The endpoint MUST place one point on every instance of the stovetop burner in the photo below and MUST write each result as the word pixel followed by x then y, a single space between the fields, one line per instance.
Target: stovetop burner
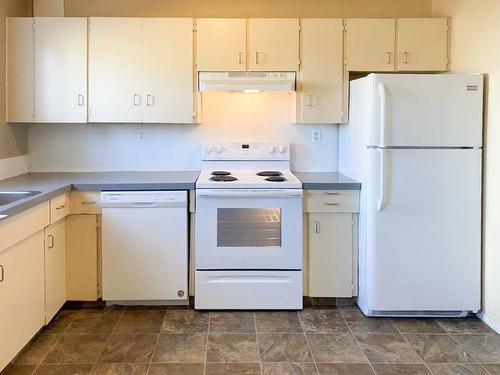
pixel 269 174
pixel 223 178
pixel 276 179
pixel 221 173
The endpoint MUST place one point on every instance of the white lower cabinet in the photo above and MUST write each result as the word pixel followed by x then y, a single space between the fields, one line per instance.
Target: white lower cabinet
pixel 55 268
pixel 82 281
pixel 22 294
pixel 332 243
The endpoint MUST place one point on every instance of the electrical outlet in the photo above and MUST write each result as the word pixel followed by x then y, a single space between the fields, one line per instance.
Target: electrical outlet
pixel 141 134
pixel 316 136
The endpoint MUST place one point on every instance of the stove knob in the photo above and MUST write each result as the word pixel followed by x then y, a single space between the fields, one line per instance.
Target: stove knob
pixel 272 149
pixel 219 149
pixel 282 149
pixel 209 149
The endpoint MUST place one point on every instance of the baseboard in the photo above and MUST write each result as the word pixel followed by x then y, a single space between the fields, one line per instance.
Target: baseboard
pixel 12 167
pixel 493 325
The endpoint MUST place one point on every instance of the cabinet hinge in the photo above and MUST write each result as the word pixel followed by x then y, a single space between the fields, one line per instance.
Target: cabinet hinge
pixel 300 27
pixel 344 28
pixel 352 221
pixel 345 62
pixel 194 28
pixel 298 62
pixel 194 115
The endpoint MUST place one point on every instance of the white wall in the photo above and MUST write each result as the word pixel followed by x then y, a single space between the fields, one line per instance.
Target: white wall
pixel 227 117
pixel 474 48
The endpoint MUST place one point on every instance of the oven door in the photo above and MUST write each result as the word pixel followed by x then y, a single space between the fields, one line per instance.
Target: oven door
pixel 240 229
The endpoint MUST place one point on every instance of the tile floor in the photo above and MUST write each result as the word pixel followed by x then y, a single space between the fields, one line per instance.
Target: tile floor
pixel 118 340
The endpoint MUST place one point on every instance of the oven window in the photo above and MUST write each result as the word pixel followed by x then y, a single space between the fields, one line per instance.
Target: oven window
pixel 248 227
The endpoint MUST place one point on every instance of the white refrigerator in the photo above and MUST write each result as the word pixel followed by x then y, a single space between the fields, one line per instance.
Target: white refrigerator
pixel 414 141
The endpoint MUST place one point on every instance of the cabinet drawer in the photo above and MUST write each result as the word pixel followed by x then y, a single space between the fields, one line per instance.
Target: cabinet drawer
pixel 59 207
pixel 331 201
pixel 85 202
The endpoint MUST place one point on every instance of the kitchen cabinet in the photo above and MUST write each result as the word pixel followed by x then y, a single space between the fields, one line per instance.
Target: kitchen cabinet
pixel 422 44
pixel 319 98
pixel 20 78
pixel 167 70
pixel 221 44
pixel 332 242
pixel 115 78
pixel 22 311
pixel 273 44
pixel 370 44
pixel 82 281
pixel 61 69
pixel 141 70
pixel 55 268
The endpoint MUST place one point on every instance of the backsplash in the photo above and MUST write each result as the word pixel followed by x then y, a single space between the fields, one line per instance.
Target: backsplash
pixel 227 117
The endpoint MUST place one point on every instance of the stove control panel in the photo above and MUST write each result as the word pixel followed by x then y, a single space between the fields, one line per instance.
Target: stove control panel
pixel 245 151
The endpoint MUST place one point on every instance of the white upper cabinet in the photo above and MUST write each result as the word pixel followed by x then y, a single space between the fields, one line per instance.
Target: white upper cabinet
pixel 20 48
pixel 115 70
pixel 167 60
pixel 221 44
pixel 370 44
pixel 273 44
pixel 422 44
pixel 320 79
pixel 60 69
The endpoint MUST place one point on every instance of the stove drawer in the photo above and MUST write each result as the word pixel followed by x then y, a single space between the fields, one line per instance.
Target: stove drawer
pixel 248 290
pixel 331 201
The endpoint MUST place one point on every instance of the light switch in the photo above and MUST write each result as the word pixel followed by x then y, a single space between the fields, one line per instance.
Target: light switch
pixel 316 136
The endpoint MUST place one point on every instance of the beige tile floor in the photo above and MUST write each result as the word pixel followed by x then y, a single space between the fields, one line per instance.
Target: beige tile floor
pixel 327 341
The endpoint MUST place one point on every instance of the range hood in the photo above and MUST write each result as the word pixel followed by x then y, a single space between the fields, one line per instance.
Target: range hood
pixel 246 81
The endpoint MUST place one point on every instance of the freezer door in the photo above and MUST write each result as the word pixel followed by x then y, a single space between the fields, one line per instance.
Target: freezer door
pixel 426 110
pixel 423 230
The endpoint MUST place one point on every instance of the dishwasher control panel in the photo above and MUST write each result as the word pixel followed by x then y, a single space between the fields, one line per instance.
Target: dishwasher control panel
pixel 143 198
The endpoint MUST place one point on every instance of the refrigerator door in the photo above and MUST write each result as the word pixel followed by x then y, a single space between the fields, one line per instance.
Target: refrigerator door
pixel 423 224
pixel 431 110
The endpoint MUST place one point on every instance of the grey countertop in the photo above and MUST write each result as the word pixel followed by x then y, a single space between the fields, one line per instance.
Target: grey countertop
pixel 326 181
pixel 51 185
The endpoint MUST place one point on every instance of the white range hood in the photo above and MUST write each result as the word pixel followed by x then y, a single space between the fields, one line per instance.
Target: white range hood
pixel 246 81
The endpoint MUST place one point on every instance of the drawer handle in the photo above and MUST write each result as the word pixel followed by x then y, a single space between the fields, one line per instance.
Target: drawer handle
pixel 61 207
pixel 332 204
pixel 88 202
pixel 332 193
pixel 2 274
pixel 51 241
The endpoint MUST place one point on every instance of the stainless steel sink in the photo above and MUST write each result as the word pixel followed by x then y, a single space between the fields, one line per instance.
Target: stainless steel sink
pixel 8 197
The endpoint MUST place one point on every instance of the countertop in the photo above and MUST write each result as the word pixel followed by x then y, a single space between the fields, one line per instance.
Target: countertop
pixel 51 185
pixel 326 181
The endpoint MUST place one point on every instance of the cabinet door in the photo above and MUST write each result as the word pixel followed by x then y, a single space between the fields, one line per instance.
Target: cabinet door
pixel 22 311
pixel 60 69
pixel 20 78
pixel 81 258
pixel 330 255
pixel 115 74
pixel 321 72
pixel 221 44
pixel 370 45
pixel 167 55
pixel 273 44
pixel 422 44
pixel 55 269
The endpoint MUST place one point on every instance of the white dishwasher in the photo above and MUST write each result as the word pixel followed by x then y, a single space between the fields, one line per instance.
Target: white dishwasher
pixel 144 246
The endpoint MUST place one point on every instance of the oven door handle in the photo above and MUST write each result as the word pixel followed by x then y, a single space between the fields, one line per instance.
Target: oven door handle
pixel 244 193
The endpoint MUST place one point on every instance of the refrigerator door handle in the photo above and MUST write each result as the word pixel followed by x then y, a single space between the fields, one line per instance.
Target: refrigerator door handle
pixel 382 179
pixel 383 112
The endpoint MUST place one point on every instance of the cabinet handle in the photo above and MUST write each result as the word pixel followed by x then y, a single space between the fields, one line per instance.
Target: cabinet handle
pixel 51 241
pixel 81 100
pixel 331 193
pixel 309 100
pixel 316 226
pixel 240 57
pixel 389 55
pixel 149 100
pixel 2 274
pixel 61 207
pixel 406 57
pixel 137 99
pixel 332 204
pixel 88 202
pixel 257 58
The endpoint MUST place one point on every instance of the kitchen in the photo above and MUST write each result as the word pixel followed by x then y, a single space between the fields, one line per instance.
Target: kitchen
pixel 184 188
